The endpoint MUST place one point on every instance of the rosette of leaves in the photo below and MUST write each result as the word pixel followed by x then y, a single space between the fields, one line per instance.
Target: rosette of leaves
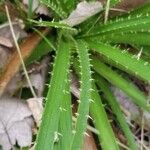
pixel 93 49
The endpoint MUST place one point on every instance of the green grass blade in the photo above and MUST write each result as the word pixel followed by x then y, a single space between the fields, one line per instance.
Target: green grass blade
pixel 68 5
pixel 100 118
pixel 114 2
pixel 101 122
pixel 30 6
pixel 123 61
pixel 50 119
pixel 52 24
pixel 45 39
pixel 122 25
pixel 44 47
pixel 55 5
pixel 57 146
pixel 104 86
pixel 139 38
pixel 137 96
pixel 85 96
pixel 65 127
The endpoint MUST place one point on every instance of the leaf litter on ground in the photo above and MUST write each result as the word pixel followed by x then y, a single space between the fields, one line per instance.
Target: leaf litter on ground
pixel 17 116
pixel 16 123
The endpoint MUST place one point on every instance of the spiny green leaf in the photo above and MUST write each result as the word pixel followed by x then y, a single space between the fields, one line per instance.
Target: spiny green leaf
pixel 145 49
pixel 85 96
pixel 101 122
pixel 123 61
pixel 137 96
pixel 49 126
pixel 140 23
pixel 56 6
pixel 65 122
pixel 104 86
pixel 139 38
pixel 60 25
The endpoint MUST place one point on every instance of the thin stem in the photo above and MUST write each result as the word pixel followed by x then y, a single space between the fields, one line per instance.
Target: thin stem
pixel 119 10
pixel 19 52
pixel 142 132
pixel 107 11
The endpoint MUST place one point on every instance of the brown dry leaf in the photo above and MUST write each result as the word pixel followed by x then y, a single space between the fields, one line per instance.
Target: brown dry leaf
pixel 5 42
pixel 83 11
pixel 36 107
pixel 14 85
pixel 37 74
pixel 37 78
pixel 14 63
pixel 6 38
pixel 4 55
pixel 15 123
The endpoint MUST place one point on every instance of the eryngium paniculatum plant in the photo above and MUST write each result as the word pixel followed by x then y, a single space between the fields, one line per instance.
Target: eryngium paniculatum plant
pixel 91 47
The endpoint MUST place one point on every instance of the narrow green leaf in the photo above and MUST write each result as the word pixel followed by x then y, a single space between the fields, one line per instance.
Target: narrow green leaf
pixel 44 47
pixel 85 96
pixel 55 5
pixel 30 6
pixel 123 61
pixel 114 2
pixel 68 5
pixel 122 25
pixel 46 39
pixel 101 122
pixel 139 38
pixel 137 96
pixel 65 127
pixel 103 84
pixel 100 118
pixel 49 126
pixel 60 25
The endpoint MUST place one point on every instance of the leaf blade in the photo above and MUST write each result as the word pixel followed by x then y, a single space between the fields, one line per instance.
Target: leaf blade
pixel 50 119
pixel 123 61
pixel 138 97
pixel 104 86
pixel 85 95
